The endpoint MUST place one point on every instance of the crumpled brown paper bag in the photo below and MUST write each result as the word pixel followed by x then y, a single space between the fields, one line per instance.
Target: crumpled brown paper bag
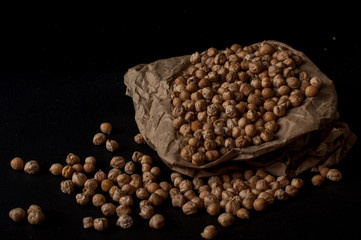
pixel 309 135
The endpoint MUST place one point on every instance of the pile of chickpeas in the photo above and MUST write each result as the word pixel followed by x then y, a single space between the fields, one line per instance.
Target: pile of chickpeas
pixel 232 98
pixel 131 187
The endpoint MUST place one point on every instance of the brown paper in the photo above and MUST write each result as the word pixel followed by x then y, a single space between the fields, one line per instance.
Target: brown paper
pixel 309 135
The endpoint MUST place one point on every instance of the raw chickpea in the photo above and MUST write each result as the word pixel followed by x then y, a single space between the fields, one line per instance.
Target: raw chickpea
pixel 123 210
pixel 209 232
pixel 100 224
pixel 72 159
pixel 106 184
pixel 98 200
pixel 36 217
pixel 99 139
pixel 232 207
pixel 259 204
pixel 17 214
pixel 157 221
pixel 67 186
pixel 106 127
pixel 17 164
pixel 31 167
pixel 100 176
pixel 56 169
pixel 81 199
pixel 226 219
pixel 242 213
pixel 213 209
pixel 129 167
pixel 146 212
pixel 88 222
pixel 139 138
pixel 90 159
pixel 78 179
pixel 311 91
pixel 108 209
pixel 117 162
pixel 280 194
pixel 297 183
pixel 77 167
pixel 334 175
pixel 89 167
pixel 155 199
pixel 111 145
pixel 291 190
pixel 190 208
pixel 317 180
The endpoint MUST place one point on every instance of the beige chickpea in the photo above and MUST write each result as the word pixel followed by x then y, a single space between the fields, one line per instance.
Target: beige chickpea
pixel 334 175
pixel 225 219
pixel 317 180
pixel 157 221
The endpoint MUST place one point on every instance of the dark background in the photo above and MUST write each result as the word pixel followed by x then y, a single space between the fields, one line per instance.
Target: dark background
pixel 61 75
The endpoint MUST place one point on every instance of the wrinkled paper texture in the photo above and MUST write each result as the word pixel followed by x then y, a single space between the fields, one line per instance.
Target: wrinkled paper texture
pixel 309 136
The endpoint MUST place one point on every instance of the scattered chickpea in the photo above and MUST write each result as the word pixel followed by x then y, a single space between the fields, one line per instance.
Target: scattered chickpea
pixel 242 213
pixel 35 217
pixel 213 209
pixel 89 167
pixel 111 145
pixel 67 171
pixel 98 200
pixel 259 204
pixel 78 179
pixel 209 232
pixel 67 186
pixel 146 212
pixel 31 167
pixel 106 184
pixel 81 198
pixel 226 219
pixel 100 224
pixel 108 209
pixel 317 180
pixel 56 169
pixel 106 127
pixel 17 214
pixel 334 175
pixel 139 138
pixel 72 159
pixel 157 221
pixel 17 163
pixel 125 221
pixel 88 222
pixel 117 162
pixel 99 139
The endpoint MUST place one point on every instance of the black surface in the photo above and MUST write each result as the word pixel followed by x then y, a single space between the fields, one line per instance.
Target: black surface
pixel 61 77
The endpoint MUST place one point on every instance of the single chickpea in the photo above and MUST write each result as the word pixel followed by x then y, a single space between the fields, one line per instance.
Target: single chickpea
pixel 123 210
pixel 190 208
pixel 226 219
pixel 17 214
pixel 146 212
pixel 111 145
pixel 88 222
pixel 106 127
pixel 259 204
pixel 157 221
pixel 99 139
pixel 78 179
pixel 81 199
pixel 56 169
pixel 77 167
pixel 108 209
pixel 31 167
pixel 334 175
pixel 280 194
pixel 242 213
pixel 98 200
pixel 106 184
pixel 72 159
pixel 67 186
pixel 209 232
pixel 67 171
pixel 100 224
pixel 213 209
pixel 317 180
pixel 89 167
pixel 100 176
pixel 17 163
pixel 139 138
